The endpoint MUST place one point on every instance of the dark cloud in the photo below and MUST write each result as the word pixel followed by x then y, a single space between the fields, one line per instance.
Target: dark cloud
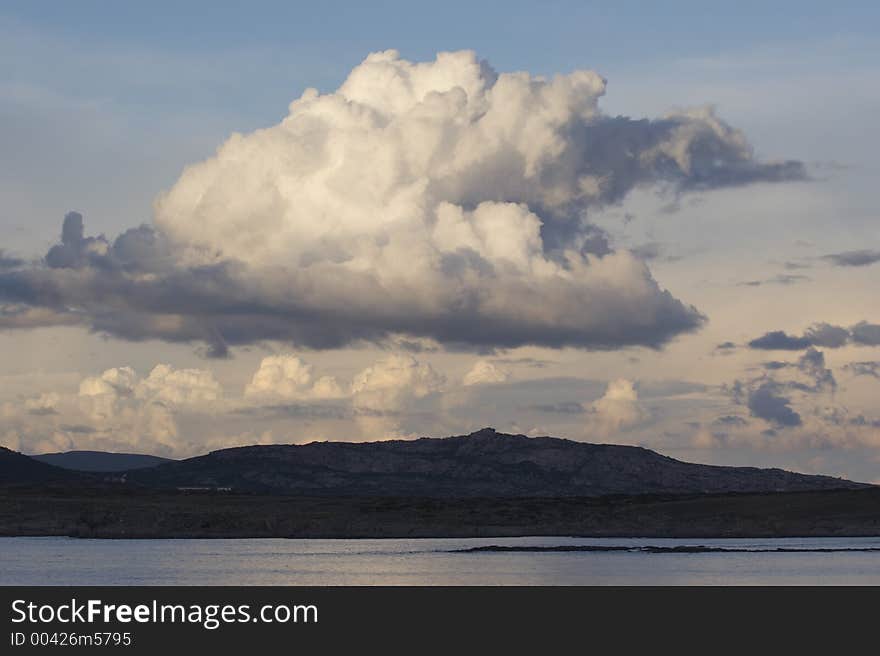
pixel 766 403
pixel 827 335
pixel 725 348
pixel 866 334
pixel 853 258
pixel 132 289
pixel 137 250
pixel 765 396
pixel 812 365
pixel 820 334
pixel 778 340
pixel 869 368
pixel 76 250
pixel 594 240
pixel 714 159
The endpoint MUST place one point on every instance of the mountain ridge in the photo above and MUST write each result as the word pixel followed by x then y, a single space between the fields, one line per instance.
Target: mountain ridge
pixel 100 461
pixel 485 463
pixel 19 469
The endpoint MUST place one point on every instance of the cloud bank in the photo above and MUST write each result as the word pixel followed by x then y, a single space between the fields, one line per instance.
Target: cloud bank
pixel 440 200
pixel 115 410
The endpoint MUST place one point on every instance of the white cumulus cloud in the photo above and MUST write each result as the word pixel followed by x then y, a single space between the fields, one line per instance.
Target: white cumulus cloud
pixel 289 377
pixel 117 410
pixel 383 390
pixel 437 200
pixel 618 410
pixel 485 372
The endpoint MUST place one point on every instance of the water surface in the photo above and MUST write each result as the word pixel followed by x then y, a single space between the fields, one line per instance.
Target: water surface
pixel 69 561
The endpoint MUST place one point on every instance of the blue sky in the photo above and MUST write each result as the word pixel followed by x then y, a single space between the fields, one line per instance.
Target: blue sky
pixel 104 105
pixel 166 82
pixel 327 39
pixel 510 30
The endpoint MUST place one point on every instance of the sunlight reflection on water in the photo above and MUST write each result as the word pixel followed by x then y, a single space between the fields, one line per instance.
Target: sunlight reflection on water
pixel 67 561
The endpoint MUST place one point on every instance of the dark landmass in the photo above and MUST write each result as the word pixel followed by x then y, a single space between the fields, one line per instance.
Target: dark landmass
pixel 482 464
pixel 100 461
pixel 486 484
pixel 16 468
pixel 126 512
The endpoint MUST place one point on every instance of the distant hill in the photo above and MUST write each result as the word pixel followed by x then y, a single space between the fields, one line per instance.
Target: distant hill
pixel 100 461
pixel 482 464
pixel 19 469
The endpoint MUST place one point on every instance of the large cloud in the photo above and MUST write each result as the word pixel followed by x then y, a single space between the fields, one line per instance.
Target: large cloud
pixel 436 199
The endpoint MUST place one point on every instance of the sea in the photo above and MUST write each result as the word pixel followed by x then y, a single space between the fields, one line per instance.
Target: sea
pixel 431 561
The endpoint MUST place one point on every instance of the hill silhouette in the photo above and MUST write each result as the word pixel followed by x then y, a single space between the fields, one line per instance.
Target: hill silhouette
pixel 483 464
pixel 19 469
pixel 100 461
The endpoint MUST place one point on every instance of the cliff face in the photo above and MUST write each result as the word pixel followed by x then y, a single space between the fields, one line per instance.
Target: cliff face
pixel 482 464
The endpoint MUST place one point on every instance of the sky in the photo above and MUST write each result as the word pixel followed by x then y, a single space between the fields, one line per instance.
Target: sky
pixel 609 222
